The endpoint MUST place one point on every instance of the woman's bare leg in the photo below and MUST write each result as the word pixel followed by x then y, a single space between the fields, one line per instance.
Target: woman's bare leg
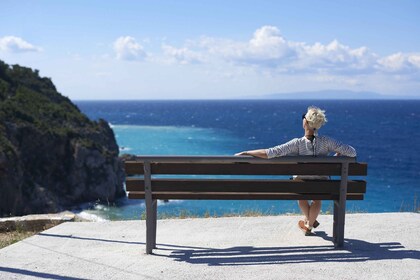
pixel 314 210
pixel 304 207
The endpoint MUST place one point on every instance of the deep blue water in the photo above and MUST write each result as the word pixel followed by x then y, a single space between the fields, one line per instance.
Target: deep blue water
pixel 385 134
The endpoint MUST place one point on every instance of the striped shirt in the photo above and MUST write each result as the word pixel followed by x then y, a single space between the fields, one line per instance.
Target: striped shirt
pixel 320 146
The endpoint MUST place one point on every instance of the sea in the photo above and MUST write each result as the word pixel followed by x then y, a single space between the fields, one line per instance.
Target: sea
pixel 385 133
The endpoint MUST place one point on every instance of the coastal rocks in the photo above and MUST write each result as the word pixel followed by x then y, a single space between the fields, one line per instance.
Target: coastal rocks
pixel 94 175
pixel 52 157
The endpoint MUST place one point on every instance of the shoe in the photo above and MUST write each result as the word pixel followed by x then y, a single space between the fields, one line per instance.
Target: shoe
pixel 302 226
pixel 316 224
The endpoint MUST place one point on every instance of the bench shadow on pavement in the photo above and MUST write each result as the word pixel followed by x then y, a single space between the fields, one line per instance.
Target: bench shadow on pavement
pixel 354 251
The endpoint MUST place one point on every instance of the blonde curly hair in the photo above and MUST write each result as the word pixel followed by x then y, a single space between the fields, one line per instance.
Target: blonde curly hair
pixel 315 117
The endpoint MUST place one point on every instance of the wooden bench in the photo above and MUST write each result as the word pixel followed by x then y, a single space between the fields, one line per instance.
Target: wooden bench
pixel 264 184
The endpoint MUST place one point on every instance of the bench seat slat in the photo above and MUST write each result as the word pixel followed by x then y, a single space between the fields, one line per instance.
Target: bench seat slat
pixel 333 169
pixel 231 185
pixel 242 196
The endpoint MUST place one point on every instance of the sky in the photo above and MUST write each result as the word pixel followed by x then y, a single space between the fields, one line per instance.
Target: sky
pixel 215 49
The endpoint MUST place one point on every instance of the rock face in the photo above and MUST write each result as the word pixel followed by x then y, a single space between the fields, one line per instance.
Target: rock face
pixel 52 156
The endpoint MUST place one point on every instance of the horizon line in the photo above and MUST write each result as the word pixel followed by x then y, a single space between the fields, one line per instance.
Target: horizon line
pixel 257 99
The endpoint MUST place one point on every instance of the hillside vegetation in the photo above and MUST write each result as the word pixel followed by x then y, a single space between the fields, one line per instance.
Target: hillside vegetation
pixel 51 155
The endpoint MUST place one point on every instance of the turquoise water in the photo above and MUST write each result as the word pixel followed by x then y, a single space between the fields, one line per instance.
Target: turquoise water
pixel 172 140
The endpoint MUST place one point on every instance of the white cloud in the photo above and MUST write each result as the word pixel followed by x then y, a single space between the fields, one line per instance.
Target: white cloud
pixel 268 49
pixel 127 48
pixel 399 62
pixel 334 58
pixel 16 45
pixel 267 43
pixel 182 55
pixel 414 59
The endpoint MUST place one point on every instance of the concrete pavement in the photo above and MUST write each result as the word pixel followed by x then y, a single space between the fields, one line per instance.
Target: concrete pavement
pixel 377 246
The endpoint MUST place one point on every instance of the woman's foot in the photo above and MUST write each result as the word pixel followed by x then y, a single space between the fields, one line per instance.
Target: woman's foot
pixel 315 225
pixel 306 230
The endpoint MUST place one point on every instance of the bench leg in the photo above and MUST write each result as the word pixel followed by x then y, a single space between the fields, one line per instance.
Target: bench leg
pixel 340 208
pixel 338 225
pixel 154 209
pixel 339 220
pixel 150 228
pixel 335 221
pixel 151 223
pixel 151 209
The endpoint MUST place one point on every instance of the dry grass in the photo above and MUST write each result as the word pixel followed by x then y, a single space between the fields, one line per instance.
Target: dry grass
pixel 10 237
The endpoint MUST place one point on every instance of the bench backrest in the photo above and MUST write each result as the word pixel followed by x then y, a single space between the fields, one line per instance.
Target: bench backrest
pixel 204 177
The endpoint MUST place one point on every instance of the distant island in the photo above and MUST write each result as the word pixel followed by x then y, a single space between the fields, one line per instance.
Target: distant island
pixel 332 95
pixel 52 157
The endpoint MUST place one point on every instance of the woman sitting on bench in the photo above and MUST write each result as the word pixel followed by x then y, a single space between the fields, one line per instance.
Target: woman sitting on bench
pixel 309 145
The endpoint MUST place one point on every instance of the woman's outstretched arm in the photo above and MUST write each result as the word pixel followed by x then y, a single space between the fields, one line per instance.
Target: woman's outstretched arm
pixel 255 153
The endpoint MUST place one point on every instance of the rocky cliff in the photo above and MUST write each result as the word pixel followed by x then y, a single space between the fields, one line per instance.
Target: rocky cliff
pixel 52 156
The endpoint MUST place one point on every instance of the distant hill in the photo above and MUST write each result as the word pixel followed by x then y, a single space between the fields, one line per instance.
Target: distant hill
pixel 330 94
